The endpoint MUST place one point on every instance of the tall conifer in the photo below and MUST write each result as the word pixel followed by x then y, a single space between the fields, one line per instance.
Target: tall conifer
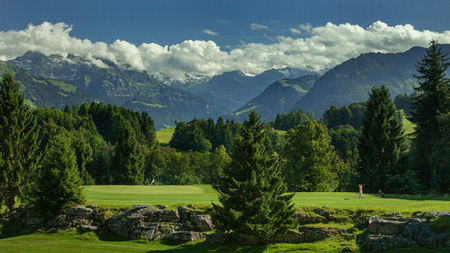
pixel 128 156
pixel 59 184
pixel 18 143
pixel 251 188
pixel 381 142
pixel 431 104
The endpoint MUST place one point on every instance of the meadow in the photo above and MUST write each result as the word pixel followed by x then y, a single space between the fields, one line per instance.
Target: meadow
pixel 123 196
pixel 163 136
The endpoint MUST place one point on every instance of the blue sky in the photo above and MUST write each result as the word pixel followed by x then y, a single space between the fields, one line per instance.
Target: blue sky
pixel 173 21
pixel 172 38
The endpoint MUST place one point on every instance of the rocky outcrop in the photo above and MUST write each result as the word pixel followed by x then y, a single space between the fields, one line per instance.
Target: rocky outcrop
pixel 394 231
pixel 184 236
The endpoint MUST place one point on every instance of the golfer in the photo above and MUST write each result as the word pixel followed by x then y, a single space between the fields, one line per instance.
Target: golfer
pixel 361 195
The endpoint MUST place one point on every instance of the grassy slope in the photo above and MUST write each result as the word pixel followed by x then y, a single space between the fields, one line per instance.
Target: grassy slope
pixel 126 196
pixel 164 136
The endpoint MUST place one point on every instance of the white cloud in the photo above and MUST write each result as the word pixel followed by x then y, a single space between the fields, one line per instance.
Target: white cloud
pixel 295 31
pixel 325 47
pixel 256 27
pixel 210 32
pixel 305 27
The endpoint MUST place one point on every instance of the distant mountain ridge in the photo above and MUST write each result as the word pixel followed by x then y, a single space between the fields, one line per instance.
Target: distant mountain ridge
pixel 232 90
pixel 124 87
pixel 44 92
pixel 278 97
pixel 351 80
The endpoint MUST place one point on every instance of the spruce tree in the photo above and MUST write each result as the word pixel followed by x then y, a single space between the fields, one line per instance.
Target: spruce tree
pixel 59 183
pixel 430 107
pixel 309 160
pixel 18 143
pixel 128 156
pixel 251 188
pixel 381 142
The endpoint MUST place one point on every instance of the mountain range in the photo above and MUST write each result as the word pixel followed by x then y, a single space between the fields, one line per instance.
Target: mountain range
pixel 57 80
pixel 121 86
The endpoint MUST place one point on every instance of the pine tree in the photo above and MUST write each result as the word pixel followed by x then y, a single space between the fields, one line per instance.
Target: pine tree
pixel 59 183
pixel 309 160
pixel 251 188
pixel 128 158
pixel 430 104
pixel 381 142
pixel 18 143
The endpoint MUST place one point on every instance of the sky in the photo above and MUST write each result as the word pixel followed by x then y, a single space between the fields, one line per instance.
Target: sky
pixel 206 37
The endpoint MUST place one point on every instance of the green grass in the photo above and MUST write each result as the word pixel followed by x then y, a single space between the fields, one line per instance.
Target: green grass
pixel 70 241
pixel 118 196
pixel 164 136
pixel 148 104
pixel 64 86
pixel 408 126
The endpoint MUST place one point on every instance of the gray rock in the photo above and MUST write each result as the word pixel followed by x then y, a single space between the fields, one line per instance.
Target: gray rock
pixel 303 218
pixel 315 233
pixel 218 238
pixel 290 237
pixel 202 223
pixel 184 236
pixel 322 212
pixel 141 206
pixel 151 231
pixel 384 242
pixel 159 215
pixel 87 228
pixel 385 227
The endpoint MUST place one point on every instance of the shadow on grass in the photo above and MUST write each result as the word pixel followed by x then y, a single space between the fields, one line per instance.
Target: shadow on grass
pixel 419 197
pixel 217 248
pixel 8 230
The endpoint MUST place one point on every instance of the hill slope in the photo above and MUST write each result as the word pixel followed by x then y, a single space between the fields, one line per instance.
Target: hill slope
pixel 278 97
pixel 109 83
pixel 351 81
pixel 232 90
pixel 44 92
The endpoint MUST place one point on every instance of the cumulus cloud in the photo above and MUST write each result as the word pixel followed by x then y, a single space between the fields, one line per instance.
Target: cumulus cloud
pixel 256 27
pixel 325 47
pixel 305 27
pixel 295 31
pixel 210 32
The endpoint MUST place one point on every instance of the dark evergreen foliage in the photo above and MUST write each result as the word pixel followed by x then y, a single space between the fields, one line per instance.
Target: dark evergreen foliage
pixel 346 115
pixel 431 108
pixel 128 157
pixel 309 161
pixel 251 188
pixel 59 184
pixel 291 120
pixel 18 143
pixel 382 141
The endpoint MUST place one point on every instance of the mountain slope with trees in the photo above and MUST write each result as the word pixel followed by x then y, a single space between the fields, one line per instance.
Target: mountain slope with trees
pixel 109 83
pixel 279 97
pixel 352 80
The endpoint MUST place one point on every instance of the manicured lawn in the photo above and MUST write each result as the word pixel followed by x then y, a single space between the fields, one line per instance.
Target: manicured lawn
pixel 164 136
pixel 126 196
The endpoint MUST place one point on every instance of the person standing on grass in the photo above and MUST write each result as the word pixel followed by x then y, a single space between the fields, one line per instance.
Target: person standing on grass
pixel 361 195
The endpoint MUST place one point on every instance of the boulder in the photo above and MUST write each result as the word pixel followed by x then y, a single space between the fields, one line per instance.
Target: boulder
pixel 150 231
pixel 315 233
pixel 87 228
pixel 290 237
pixel 385 227
pixel 159 215
pixel 218 238
pixel 383 242
pixel 322 212
pixel 202 223
pixel 141 206
pixel 303 218
pixel 184 236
